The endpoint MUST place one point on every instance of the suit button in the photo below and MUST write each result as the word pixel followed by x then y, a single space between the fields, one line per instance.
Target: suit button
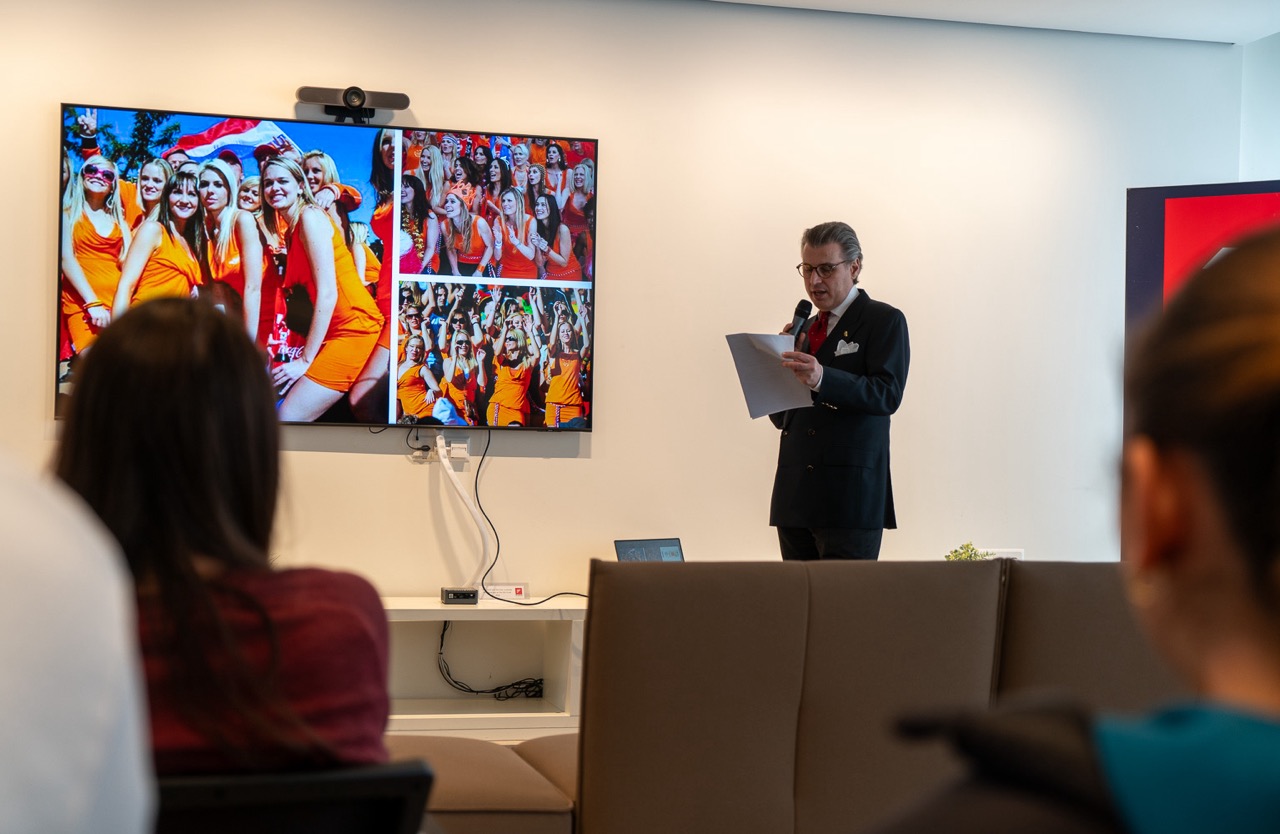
pixel 812 432
pixel 809 468
pixel 785 433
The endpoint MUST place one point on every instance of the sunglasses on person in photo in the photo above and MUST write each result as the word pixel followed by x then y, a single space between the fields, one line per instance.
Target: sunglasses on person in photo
pixel 98 171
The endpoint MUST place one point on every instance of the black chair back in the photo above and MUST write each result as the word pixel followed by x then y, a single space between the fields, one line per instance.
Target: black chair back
pixel 371 799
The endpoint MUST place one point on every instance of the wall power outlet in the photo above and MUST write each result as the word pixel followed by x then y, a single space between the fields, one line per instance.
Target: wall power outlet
pixel 517 591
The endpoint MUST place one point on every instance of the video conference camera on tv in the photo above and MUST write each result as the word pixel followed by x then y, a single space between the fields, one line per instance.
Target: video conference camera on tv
pixel 354 103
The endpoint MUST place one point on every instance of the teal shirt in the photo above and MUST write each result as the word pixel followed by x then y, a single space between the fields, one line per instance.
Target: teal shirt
pixel 1193 769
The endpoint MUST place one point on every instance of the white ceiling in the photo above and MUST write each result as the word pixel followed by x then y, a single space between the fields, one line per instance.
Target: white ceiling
pixel 1222 21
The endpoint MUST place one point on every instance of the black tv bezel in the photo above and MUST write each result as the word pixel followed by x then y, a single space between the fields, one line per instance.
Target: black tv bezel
pixel 375 427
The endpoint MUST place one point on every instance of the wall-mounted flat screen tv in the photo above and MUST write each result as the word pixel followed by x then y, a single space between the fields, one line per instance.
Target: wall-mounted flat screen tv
pixel 390 275
pixel 1176 230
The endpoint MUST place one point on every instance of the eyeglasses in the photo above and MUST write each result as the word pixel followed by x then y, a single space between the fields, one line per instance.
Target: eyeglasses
pixel 510 338
pixel 824 270
pixel 98 171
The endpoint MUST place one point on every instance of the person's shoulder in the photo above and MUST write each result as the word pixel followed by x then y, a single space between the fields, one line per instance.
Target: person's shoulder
pixel 324 584
pixel 317 601
pixel 879 308
pixel 45 523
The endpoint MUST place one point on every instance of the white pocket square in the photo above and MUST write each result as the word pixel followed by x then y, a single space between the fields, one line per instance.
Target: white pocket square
pixel 843 347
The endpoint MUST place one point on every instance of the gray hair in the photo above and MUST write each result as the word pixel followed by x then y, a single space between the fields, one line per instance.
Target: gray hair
pixel 834 232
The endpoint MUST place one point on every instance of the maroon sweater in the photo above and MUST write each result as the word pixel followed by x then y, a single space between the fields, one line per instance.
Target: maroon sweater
pixel 332 635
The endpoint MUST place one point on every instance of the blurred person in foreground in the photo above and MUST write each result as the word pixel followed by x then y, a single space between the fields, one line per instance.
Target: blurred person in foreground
pixel 1200 538
pixel 172 439
pixel 73 742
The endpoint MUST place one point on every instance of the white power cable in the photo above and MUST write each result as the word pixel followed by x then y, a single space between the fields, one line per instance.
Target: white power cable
pixel 442 452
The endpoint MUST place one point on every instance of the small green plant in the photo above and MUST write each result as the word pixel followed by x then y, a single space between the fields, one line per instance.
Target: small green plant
pixel 968 553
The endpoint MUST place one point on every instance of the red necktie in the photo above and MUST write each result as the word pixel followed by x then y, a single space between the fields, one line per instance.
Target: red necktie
pixel 818 333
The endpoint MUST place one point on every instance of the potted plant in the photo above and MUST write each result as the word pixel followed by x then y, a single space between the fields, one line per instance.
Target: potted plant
pixel 968 553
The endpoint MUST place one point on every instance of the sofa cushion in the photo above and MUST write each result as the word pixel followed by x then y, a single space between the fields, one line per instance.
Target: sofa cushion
pixel 484 788
pixel 556 758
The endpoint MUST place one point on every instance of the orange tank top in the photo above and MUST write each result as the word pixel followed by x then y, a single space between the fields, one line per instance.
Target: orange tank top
pixel 564 388
pixel 469 254
pixel 411 390
pixel 227 269
pixel 171 270
pixel 511 387
pixel 355 312
pixel 572 270
pixel 99 259
pixel 514 263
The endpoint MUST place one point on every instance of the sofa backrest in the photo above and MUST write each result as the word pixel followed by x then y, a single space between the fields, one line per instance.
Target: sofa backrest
pixel 1068 628
pixel 692 676
pixel 759 697
pixel 887 638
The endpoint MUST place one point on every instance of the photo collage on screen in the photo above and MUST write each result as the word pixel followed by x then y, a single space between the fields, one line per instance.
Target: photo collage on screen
pixel 456 269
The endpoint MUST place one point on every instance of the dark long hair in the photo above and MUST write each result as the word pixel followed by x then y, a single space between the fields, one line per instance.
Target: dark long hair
pixel 548 229
pixel 381 177
pixel 1205 378
pixel 172 440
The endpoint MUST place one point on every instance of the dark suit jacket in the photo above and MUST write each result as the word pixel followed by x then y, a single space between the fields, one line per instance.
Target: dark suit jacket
pixel 833 461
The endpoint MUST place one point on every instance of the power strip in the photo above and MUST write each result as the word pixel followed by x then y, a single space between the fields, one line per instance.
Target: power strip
pixel 514 591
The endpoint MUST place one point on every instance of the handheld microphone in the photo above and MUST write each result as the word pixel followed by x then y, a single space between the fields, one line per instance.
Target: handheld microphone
pixel 803 309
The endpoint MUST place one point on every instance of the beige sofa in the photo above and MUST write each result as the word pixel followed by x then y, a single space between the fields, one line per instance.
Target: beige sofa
pixel 760 697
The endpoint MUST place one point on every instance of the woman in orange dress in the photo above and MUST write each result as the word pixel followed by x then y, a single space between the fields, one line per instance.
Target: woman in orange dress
pixel 563 367
pixel 369 394
pixel 232 250
pixel 95 237
pixel 249 195
pixel 464 376
pixel 556 260
pixel 420 241
pixel 450 151
pixel 147 191
pixel 559 177
pixel 336 199
pixel 466 184
pixel 498 178
pixel 512 238
pixel 162 259
pixel 517 358
pixel 465 239
pixel 416 387
pixel 520 165
pixel 436 178
pixel 345 321
pixel 573 203
pixel 535 187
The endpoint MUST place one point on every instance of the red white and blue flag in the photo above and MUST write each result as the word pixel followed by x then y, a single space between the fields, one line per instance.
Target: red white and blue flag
pixel 240 136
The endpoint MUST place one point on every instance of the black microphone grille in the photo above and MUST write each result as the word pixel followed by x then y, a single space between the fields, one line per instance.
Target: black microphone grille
pixel 804 308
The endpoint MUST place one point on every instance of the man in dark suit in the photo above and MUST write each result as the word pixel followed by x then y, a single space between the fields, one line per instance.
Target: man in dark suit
pixel 832 495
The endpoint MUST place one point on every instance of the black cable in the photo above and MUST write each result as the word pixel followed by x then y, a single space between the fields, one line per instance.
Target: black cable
pixel 497 549
pixel 525 687
pixel 414 432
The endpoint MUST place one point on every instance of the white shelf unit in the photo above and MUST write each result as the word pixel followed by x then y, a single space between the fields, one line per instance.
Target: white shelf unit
pixel 534 640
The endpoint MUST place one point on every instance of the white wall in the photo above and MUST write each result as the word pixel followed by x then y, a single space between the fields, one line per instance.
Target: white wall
pixel 985 169
pixel 1260 111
